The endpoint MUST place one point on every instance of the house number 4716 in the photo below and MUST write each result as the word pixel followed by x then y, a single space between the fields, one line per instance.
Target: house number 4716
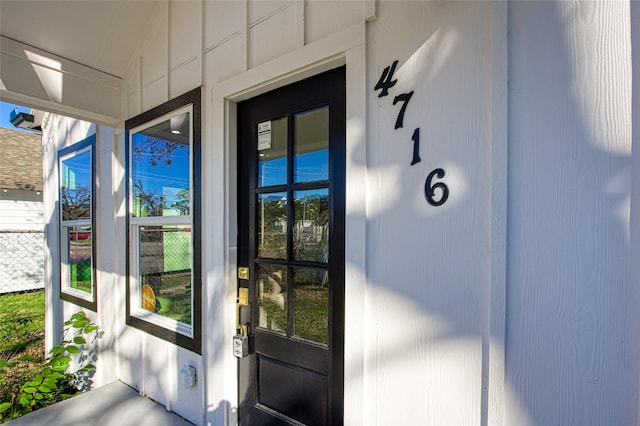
pixel 436 193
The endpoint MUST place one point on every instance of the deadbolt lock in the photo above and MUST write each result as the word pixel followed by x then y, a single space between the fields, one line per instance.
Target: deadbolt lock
pixel 243 296
pixel 243 273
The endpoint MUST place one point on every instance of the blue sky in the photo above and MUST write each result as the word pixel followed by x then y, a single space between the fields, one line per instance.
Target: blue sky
pixel 5 111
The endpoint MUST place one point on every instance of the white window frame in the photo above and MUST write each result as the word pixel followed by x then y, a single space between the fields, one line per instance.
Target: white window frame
pixel 68 293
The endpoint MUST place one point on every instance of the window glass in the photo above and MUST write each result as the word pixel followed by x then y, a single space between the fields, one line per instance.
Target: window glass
pixel 272 300
pixel 79 244
pixel 311 226
pixel 165 271
pixel 272 225
pixel 311 304
pixel 75 187
pixel 272 152
pixel 76 183
pixel 160 169
pixel 311 145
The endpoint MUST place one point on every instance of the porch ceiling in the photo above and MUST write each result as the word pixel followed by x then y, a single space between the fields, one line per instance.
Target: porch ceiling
pixel 102 35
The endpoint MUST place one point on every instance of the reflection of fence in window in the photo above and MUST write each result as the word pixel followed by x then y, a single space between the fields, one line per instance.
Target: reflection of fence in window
pixel 165 266
pixel 79 246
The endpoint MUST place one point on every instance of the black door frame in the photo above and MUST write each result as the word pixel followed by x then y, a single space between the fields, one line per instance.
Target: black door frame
pixel 304 89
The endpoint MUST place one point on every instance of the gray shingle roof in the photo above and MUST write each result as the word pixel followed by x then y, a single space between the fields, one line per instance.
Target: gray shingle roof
pixel 20 160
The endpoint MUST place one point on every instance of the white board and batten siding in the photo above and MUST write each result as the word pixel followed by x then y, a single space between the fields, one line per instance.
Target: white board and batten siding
pixel 428 268
pixel 60 132
pixel 572 313
pixel 21 210
pixel 194 44
pixel 515 302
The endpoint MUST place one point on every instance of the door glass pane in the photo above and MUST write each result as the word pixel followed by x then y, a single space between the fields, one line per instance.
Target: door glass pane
pixel 311 225
pixel 165 271
pixel 75 186
pixel 272 152
pixel 311 145
pixel 272 297
pixel 160 169
pixel 311 304
pixel 272 225
pixel 79 243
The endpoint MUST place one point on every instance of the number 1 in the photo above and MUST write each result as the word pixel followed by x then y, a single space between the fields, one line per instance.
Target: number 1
pixel 416 146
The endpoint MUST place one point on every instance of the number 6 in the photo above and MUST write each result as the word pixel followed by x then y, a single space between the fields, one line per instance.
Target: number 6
pixel 429 189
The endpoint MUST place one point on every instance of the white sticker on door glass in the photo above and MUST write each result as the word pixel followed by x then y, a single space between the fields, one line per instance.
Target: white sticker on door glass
pixel 264 135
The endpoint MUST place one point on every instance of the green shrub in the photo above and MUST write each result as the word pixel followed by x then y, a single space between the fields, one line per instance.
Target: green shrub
pixel 50 382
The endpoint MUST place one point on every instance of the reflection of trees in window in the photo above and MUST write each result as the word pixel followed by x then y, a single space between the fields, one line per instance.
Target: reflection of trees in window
pixel 313 207
pixel 76 203
pixel 272 226
pixel 158 150
pixel 311 229
pixel 151 203
pixel 183 205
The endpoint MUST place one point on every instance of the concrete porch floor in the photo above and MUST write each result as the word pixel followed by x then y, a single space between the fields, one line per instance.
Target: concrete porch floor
pixel 115 404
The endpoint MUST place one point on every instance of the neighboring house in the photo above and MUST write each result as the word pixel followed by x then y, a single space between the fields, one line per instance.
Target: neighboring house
pixel 344 212
pixel 21 211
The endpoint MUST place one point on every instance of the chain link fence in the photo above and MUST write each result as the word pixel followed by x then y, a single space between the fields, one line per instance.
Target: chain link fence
pixel 21 293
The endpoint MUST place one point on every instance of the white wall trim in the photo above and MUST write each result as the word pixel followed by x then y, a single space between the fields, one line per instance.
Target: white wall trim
pixel 635 191
pixel 296 65
pixel 355 346
pixel 494 339
pixel 219 183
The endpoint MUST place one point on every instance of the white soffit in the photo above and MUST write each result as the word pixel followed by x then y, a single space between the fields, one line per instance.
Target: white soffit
pixel 100 34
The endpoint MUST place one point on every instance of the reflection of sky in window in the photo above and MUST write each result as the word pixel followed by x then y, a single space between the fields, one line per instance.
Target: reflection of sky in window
pixel 311 166
pixel 76 171
pixel 75 186
pixel 152 170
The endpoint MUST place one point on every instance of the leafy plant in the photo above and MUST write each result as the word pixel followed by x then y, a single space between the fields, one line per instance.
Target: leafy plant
pixel 52 383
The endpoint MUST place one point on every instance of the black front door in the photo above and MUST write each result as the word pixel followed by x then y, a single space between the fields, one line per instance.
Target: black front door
pixel 291 190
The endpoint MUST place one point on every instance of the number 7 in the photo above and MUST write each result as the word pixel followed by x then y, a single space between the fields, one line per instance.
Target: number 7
pixel 404 98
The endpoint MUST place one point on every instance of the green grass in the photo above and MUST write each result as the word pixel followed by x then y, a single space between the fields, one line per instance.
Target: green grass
pixel 21 333
pixel 22 325
pixel 312 313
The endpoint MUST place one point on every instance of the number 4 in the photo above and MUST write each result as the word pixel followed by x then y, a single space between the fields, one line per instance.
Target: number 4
pixel 386 81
